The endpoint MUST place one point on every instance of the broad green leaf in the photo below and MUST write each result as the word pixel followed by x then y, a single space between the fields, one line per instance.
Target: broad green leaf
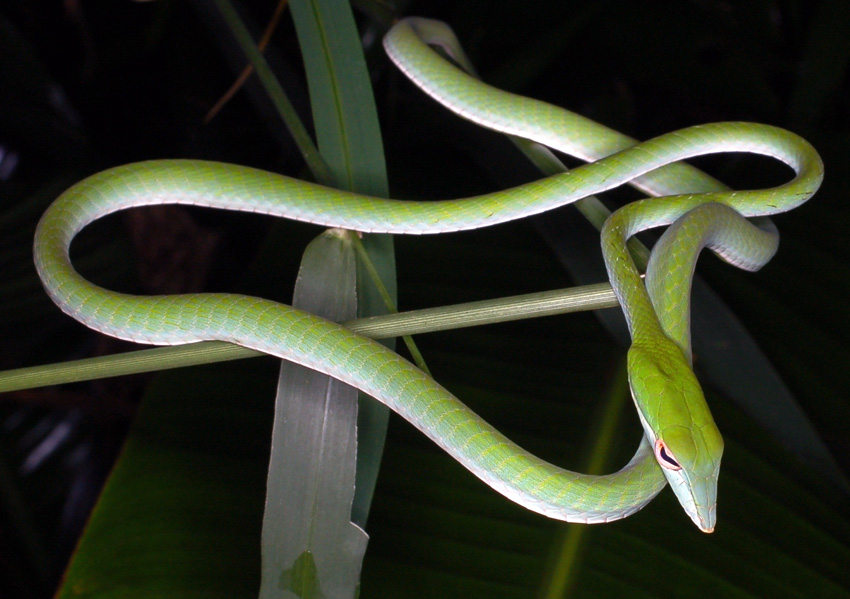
pixel 180 515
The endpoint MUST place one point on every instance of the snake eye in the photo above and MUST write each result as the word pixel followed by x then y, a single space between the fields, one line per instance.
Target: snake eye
pixel 664 457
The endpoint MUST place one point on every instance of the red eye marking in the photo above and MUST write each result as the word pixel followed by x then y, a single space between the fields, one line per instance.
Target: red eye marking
pixel 664 457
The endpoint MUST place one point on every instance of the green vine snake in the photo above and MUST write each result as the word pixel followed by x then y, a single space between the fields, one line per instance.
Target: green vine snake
pixel 681 443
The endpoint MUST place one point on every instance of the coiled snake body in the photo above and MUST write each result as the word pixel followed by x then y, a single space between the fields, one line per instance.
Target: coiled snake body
pixel 681 442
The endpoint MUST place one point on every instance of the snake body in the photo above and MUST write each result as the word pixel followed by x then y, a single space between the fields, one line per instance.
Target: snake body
pixel 680 433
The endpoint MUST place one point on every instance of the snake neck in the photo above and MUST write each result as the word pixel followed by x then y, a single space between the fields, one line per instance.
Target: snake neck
pixel 626 280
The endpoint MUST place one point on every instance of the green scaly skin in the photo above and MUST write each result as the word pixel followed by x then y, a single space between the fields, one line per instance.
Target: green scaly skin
pixel 665 390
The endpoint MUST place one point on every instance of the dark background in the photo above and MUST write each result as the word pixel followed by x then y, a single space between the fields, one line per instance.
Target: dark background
pixel 88 85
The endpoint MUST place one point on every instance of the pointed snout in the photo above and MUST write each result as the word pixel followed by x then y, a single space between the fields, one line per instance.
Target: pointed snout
pixel 698 497
pixel 705 518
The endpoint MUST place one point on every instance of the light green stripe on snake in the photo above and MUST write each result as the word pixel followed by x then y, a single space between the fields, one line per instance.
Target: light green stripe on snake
pixel 677 421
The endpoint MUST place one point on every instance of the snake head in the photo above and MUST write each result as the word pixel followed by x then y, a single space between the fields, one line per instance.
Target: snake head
pixel 679 425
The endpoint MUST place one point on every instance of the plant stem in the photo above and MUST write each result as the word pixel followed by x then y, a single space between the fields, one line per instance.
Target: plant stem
pixel 519 307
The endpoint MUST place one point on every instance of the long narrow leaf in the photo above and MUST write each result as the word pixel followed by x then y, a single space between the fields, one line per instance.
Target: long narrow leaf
pixel 349 138
pixel 310 547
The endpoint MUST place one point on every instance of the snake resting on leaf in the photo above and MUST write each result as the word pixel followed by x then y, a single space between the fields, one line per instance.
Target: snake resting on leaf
pixel 681 443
